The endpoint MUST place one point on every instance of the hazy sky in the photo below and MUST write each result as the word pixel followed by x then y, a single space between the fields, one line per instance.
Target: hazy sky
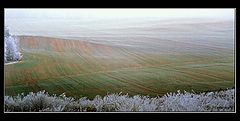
pixel 120 13
pixel 83 21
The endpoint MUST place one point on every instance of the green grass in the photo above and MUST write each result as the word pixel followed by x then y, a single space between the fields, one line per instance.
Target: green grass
pixel 80 74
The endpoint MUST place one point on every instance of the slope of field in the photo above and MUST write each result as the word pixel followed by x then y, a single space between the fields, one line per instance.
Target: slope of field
pixel 147 65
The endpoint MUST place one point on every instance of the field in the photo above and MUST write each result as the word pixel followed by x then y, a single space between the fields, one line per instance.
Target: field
pixel 162 60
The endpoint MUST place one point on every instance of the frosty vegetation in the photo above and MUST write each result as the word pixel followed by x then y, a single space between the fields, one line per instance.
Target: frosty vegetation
pixel 11 47
pixel 179 101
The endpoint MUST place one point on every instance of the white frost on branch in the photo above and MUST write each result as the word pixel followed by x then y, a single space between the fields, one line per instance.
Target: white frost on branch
pixel 203 102
pixel 11 47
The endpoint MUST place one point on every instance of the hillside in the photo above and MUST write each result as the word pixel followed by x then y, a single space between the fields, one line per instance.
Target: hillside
pixel 88 68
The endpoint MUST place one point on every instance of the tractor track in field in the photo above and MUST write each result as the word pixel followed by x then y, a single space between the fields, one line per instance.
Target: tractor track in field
pixel 134 69
pixel 134 84
pixel 97 75
pixel 132 55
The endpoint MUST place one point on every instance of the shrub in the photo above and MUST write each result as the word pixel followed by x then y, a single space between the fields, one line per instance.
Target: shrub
pixel 43 102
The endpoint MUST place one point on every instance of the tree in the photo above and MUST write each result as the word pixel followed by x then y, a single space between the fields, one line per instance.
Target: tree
pixel 11 47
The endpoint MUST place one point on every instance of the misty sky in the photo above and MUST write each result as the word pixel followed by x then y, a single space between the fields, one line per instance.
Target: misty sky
pixel 120 13
pixel 29 21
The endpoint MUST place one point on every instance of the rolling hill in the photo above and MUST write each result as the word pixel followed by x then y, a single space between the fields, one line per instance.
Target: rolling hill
pixel 152 62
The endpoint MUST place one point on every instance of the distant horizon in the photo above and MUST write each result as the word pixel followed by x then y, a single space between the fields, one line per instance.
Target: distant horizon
pixel 119 13
pixel 58 22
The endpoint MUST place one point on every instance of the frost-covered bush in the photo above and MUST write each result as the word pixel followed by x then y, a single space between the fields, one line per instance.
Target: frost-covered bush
pixel 211 101
pixel 11 47
pixel 42 101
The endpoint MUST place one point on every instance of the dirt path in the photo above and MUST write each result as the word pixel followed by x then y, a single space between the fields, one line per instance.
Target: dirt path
pixel 11 62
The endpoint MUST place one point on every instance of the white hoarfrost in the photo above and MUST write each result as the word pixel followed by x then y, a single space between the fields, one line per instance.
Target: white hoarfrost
pixel 11 47
pixel 171 102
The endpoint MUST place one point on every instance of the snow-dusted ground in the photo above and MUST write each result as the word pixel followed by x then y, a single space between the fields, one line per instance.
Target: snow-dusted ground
pixel 12 62
pixel 222 101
